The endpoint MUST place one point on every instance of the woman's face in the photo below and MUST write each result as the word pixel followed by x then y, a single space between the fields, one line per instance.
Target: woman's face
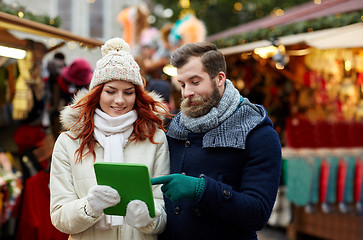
pixel 117 98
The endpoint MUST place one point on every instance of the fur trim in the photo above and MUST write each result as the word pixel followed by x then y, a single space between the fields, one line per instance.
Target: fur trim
pixel 157 97
pixel 69 115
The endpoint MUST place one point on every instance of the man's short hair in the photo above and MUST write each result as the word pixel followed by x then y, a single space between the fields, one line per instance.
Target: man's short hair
pixel 212 59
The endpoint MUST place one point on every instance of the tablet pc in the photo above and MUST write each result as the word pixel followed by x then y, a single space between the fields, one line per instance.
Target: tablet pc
pixel 131 180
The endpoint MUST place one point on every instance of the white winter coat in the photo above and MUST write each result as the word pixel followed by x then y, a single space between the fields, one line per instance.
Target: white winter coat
pixel 70 183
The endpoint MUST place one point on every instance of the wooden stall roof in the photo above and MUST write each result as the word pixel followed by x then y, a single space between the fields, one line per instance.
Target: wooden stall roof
pixel 11 22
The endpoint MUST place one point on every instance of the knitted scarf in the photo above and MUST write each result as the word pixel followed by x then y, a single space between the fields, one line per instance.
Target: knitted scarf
pixel 226 107
pixel 112 133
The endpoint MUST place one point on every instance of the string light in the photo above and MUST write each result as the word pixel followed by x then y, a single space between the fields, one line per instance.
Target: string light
pixel 170 70
pixel 12 52
pixel 184 3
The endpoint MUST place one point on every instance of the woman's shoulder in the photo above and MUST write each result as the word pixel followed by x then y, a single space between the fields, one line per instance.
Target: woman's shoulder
pixel 159 134
pixel 66 136
pixel 159 137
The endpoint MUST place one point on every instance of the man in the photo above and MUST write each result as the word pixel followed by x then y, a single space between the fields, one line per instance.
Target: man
pixel 225 155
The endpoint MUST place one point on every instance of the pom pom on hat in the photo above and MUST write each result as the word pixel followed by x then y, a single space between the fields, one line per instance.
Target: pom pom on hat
pixel 117 63
pixel 115 44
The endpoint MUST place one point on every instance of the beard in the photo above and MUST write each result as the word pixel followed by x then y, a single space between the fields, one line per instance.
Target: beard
pixel 202 105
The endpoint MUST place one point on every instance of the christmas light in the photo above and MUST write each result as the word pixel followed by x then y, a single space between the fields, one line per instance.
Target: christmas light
pixel 12 52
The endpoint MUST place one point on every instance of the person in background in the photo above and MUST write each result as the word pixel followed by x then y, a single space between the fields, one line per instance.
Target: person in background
pixel 75 77
pixel 54 67
pixel 115 121
pixel 225 156
pixel 35 147
pixel 53 91
pixel 152 57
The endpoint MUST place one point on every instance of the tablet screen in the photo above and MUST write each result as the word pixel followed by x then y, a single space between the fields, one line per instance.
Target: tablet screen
pixel 131 180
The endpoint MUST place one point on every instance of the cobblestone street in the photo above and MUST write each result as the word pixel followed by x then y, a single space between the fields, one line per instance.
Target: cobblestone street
pixel 269 233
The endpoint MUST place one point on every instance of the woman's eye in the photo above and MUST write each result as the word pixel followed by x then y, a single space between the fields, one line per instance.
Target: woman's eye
pixel 195 83
pixel 129 93
pixel 110 92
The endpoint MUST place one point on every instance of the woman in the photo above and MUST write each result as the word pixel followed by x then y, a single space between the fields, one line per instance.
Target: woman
pixel 115 121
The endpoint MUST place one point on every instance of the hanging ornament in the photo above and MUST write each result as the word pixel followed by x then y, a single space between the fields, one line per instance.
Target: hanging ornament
pixel 23 98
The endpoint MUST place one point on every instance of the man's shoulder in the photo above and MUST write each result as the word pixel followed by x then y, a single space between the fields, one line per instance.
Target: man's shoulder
pixel 248 114
pixel 245 119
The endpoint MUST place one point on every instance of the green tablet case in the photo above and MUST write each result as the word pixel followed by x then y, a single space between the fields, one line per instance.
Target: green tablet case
pixel 131 180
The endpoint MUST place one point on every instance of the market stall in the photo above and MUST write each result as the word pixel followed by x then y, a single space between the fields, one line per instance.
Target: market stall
pixel 25 146
pixel 25 72
pixel 312 86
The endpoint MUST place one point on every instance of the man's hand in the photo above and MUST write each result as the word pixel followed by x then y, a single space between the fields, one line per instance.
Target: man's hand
pixel 178 186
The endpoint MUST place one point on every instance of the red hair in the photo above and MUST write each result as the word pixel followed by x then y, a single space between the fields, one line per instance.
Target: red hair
pixel 145 126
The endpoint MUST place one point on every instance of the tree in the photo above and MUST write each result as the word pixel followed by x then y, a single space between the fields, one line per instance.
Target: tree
pixel 219 15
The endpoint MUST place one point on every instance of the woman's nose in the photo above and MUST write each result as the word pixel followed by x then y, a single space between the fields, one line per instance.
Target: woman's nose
pixel 119 99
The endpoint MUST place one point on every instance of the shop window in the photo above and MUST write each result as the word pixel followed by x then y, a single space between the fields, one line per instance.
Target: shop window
pixel 65 12
pixel 96 19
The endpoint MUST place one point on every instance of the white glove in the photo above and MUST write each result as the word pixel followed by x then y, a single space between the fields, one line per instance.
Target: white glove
pixel 137 214
pixel 100 197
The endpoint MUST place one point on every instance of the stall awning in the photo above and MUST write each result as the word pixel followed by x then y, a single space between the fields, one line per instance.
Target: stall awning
pixel 304 12
pixel 349 36
pixel 11 22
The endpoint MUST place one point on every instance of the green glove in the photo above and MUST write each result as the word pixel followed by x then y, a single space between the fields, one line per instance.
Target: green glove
pixel 178 186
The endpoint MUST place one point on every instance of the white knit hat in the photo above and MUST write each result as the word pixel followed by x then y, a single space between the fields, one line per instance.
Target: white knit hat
pixel 117 63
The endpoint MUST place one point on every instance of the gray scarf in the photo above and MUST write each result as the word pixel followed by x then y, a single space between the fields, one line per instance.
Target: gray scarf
pixel 226 107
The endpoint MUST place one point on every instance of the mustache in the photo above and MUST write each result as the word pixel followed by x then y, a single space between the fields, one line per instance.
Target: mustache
pixel 196 100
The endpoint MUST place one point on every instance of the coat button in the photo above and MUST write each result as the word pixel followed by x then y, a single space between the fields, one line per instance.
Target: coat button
pixel 177 210
pixel 197 212
pixel 226 192
pixel 187 144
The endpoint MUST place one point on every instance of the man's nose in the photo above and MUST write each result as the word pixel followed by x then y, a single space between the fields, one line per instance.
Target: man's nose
pixel 188 91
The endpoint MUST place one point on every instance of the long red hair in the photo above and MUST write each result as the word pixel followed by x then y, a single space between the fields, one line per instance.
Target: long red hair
pixel 150 117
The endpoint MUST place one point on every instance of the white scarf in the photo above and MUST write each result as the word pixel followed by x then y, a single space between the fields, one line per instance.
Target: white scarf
pixel 113 133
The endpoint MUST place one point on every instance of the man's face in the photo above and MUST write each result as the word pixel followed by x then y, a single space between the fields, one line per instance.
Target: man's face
pixel 200 93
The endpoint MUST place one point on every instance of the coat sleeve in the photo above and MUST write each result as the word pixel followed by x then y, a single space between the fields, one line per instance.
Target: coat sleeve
pixel 161 167
pixel 250 206
pixel 66 208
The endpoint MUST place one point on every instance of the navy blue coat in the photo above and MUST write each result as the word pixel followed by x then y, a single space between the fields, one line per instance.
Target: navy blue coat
pixel 241 163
